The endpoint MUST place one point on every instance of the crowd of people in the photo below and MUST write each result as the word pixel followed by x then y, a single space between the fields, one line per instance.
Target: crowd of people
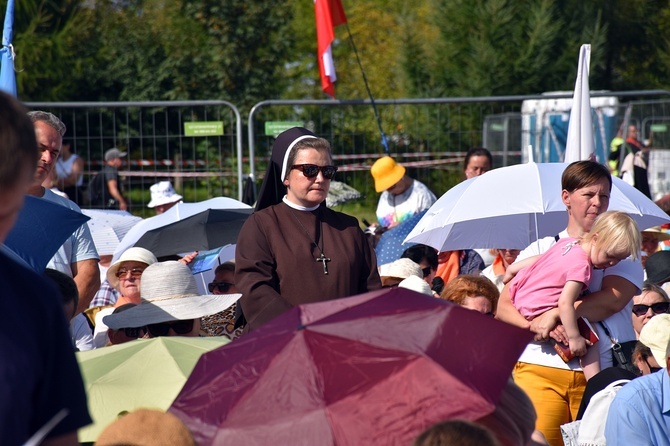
pixel 294 250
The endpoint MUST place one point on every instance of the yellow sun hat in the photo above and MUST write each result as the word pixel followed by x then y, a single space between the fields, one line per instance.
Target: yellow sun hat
pixel 386 172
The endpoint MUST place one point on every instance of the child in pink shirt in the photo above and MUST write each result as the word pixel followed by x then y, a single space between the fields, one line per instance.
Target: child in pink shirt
pixel 560 276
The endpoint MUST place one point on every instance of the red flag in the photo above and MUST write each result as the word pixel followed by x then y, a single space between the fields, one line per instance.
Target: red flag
pixel 329 13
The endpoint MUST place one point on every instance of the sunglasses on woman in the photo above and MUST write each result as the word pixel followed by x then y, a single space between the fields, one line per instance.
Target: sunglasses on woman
pixel 135 273
pixel 312 170
pixel 223 287
pixel 163 328
pixel 135 333
pixel 657 308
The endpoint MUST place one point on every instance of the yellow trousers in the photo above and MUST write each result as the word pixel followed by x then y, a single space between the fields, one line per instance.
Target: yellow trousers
pixel 555 393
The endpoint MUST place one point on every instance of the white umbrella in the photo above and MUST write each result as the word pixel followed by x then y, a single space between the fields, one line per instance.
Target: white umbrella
pixel 513 206
pixel 176 213
pixel 579 145
pixel 109 227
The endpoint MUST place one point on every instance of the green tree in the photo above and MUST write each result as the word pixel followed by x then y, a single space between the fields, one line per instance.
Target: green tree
pixel 42 31
pixel 177 50
pixel 497 47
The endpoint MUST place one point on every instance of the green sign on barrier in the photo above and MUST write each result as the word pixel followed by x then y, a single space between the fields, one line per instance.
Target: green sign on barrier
pixel 659 128
pixel 206 128
pixel 274 128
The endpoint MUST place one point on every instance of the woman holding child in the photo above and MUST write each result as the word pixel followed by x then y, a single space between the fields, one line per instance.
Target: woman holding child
pixel 556 388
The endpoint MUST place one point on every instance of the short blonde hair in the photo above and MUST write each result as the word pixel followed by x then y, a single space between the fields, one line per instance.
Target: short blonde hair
pixel 617 232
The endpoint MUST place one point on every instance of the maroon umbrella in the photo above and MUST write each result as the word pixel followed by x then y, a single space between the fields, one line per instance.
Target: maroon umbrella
pixel 377 368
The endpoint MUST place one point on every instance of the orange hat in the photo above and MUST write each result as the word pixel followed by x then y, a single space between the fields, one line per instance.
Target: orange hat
pixel 386 173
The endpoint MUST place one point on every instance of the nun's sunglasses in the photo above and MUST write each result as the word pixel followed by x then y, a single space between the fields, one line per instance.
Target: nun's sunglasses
pixel 312 170
pixel 179 327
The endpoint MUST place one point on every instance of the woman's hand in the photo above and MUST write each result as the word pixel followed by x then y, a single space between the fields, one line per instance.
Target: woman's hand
pixel 544 324
pixel 559 334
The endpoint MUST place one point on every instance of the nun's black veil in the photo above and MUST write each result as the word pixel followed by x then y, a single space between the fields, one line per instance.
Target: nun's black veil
pixel 273 189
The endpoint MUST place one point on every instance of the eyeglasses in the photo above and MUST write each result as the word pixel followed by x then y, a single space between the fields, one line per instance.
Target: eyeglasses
pixel 222 286
pixel 135 273
pixel 135 333
pixel 657 308
pixel 312 170
pixel 179 327
pixel 426 271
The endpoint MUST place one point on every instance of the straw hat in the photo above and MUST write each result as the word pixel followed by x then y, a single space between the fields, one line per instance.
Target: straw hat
pixel 403 268
pixel 393 273
pixel 169 293
pixel 657 233
pixel 146 427
pixel 656 335
pixel 163 193
pixel 134 254
pixel 386 173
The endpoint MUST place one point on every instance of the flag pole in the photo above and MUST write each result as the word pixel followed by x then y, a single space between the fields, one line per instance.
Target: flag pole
pixel 367 87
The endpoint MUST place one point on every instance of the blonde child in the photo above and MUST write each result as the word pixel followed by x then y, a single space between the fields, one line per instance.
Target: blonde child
pixel 560 276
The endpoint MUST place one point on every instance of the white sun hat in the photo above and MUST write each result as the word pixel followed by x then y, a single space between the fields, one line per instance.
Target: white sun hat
pixel 169 293
pixel 134 254
pixel 163 193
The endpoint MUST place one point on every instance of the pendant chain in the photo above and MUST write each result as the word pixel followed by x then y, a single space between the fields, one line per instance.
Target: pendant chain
pixel 322 258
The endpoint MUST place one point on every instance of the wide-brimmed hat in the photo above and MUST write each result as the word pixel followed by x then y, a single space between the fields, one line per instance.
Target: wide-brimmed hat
pixel 169 293
pixel 163 193
pixel 658 267
pixel 386 172
pixel 394 272
pixel 659 234
pixel 656 335
pixel 134 254
pixel 403 268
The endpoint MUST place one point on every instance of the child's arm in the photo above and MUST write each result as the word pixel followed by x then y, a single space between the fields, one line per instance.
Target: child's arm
pixel 566 309
pixel 507 312
pixel 515 267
